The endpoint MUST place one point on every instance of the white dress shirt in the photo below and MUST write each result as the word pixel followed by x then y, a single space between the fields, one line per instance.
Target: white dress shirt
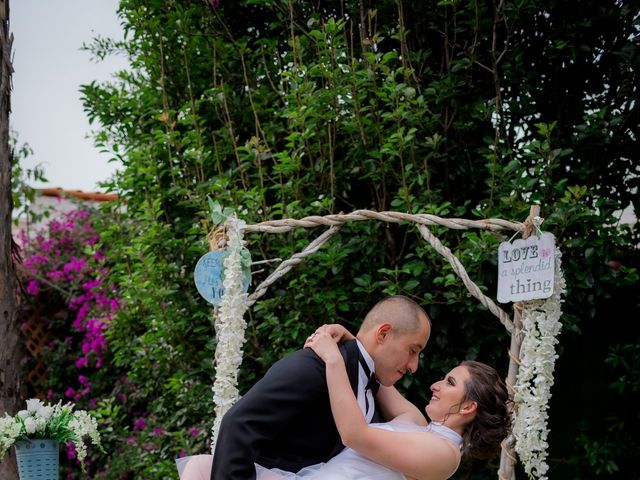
pixel 363 396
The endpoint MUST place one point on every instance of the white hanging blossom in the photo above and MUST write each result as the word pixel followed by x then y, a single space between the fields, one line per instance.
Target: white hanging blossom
pixel 84 426
pixel 540 327
pixel 230 327
pixel 10 431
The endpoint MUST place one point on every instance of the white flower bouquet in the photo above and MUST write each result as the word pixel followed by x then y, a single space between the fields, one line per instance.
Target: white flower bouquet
pixel 56 422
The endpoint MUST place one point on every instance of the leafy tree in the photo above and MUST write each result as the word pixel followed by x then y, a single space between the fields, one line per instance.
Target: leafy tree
pixel 11 388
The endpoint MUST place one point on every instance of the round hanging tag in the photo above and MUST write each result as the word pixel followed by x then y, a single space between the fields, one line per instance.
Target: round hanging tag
pixel 209 275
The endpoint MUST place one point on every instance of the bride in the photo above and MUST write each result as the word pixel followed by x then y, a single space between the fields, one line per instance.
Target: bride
pixel 468 413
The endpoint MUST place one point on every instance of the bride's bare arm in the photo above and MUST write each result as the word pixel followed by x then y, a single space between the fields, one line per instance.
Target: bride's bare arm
pixel 393 405
pixel 416 454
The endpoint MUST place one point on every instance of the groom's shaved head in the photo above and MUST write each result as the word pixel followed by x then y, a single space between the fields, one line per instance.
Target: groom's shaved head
pixel 404 314
pixel 394 333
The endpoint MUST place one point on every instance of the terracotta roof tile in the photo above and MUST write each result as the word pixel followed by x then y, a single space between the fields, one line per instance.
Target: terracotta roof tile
pixel 88 196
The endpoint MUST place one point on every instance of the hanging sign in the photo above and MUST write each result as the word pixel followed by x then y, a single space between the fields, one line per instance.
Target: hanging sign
pixel 209 275
pixel 526 268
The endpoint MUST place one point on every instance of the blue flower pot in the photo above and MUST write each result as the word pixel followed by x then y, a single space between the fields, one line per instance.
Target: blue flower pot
pixel 37 459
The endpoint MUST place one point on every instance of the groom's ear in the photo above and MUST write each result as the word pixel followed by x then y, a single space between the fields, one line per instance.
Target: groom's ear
pixel 383 332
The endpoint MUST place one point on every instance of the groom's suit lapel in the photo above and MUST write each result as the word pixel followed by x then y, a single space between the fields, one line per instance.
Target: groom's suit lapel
pixel 351 354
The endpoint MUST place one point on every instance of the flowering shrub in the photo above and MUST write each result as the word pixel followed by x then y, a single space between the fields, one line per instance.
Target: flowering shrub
pixel 68 283
pixel 64 259
pixel 56 422
pixel 66 292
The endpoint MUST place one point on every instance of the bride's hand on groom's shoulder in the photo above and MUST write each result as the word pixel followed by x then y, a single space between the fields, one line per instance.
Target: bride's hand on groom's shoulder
pixel 337 332
pixel 324 344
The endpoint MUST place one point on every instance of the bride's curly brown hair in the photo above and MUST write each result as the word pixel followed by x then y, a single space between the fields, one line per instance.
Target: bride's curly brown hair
pixel 482 437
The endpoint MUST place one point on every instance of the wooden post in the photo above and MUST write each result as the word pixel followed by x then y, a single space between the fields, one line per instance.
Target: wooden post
pixel 10 378
pixel 508 454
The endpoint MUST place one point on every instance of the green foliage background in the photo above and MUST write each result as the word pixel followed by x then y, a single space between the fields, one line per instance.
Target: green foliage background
pixel 287 108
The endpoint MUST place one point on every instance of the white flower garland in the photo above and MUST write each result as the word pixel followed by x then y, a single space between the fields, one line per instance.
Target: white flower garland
pixel 540 327
pixel 230 328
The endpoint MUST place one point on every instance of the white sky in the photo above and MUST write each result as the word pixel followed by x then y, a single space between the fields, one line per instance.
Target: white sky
pixel 49 69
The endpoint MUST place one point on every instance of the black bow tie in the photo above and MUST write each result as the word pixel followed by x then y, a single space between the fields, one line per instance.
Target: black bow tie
pixel 373 384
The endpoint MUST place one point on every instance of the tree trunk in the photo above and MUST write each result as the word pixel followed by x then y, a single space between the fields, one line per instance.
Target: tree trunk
pixel 10 384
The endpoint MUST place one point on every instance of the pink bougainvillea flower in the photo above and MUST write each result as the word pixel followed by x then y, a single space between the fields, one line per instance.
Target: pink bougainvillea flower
pixel 33 287
pixel 71 451
pixel 82 362
pixel 139 424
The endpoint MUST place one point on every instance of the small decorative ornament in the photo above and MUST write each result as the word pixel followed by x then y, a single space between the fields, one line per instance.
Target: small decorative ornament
pixel 209 276
pixel 526 268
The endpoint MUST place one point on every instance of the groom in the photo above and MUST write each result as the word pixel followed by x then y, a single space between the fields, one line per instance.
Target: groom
pixel 285 420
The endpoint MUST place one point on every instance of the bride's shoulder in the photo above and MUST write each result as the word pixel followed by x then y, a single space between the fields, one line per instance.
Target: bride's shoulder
pixel 444 444
pixel 426 456
pixel 442 459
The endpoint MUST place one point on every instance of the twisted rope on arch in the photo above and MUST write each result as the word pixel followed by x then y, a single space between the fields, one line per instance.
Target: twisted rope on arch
pixel 292 261
pixel 462 273
pixel 421 220
pixel 287 224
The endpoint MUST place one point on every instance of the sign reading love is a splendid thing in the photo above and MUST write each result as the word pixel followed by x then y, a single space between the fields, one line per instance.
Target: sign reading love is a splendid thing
pixel 526 268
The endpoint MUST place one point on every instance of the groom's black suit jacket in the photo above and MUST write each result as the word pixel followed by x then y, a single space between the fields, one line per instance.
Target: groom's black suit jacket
pixel 284 420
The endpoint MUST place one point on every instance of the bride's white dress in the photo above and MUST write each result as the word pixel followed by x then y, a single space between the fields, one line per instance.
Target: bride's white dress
pixel 347 465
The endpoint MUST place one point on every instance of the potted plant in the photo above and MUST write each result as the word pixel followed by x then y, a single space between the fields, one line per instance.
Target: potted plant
pixel 37 432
